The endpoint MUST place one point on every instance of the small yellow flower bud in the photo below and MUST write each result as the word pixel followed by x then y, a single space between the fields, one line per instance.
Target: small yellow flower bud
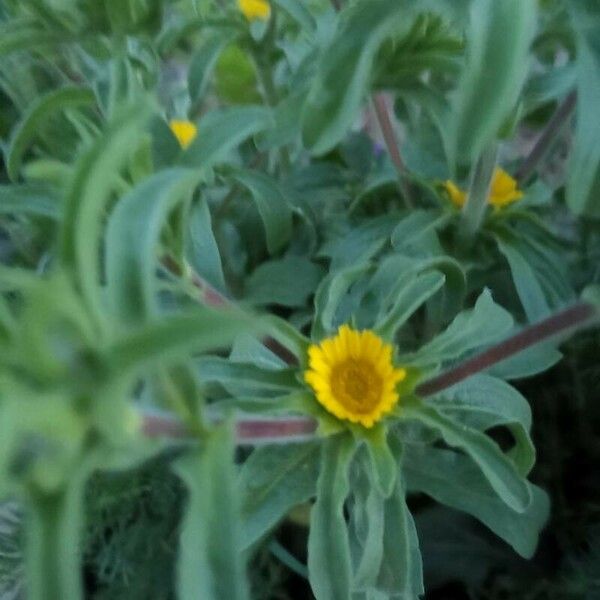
pixel 184 131
pixel 255 9
pixel 503 191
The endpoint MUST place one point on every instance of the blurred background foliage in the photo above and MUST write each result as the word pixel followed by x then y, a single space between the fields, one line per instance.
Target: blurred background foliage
pixel 288 202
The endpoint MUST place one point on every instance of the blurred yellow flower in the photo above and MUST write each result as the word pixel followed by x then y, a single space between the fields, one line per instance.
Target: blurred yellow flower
pixel 353 376
pixel 184 131
pixel 255 9
pixel 503 191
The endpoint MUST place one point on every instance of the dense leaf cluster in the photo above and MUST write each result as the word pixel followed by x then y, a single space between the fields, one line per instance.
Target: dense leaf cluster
pixel 157 302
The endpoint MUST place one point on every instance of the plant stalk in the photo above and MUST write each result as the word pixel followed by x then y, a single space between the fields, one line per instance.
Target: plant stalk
pixel 387 129
pixel 290 429
pixel 53 548
pixel 567 320
pixel 479 189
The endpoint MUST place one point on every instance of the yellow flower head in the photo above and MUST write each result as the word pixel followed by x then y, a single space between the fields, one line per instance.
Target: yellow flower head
pixel 503 191
pixel 184 131
pixel 255 9
pixel 353 376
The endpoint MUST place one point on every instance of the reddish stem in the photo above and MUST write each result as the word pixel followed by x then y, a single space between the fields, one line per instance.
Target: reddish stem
pixel 248 431
pixel 212 297
pixel 569 318
pixel 389 136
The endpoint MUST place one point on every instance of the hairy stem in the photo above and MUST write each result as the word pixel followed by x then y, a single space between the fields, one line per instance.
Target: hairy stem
pixel 548 136
pixel 567 320
pixel 387 129
pixel 247 431
pixel 290 429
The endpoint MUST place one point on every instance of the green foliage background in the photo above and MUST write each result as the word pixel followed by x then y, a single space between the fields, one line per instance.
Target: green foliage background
pixel 157 302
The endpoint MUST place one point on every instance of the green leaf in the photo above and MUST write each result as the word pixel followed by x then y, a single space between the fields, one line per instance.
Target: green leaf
pixel 399 280
pixel 27 38
pixel 174 337
pixel 583 180
pixel 329 565
pixel 242 378
pixel 365 529
pixel 484 324
pixel 354 245
pixel 299 13
pixel 204 59
pixel 484 402
pixel 221 131
pixel 272 206
pixel 401 569
pixel 132 238
pixel 451 479
pixel 36 116
pixel 287 282
pixel 497 468
pixel 499 36
pixel 383 463
pixel 329 295
pixel 410 297
pixel 285 128
pixel 202 249
pixel 54 527
pixel 93 181
pixel 288 336
pixel 527 363
pixel 417 227
pixel 526 282
pixel 272 483
pixel 29 199
pixel 345 70
pixel 211 564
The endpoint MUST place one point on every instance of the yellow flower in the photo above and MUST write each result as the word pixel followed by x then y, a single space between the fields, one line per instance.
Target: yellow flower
pixel 184 131
pixel 503 191
pixel 353 376
pixel 255 9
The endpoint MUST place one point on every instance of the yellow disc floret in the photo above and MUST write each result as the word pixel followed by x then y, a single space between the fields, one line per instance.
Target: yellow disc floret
pixel 503 191
pixel 184 131
pixel 255 9
pixel 353 376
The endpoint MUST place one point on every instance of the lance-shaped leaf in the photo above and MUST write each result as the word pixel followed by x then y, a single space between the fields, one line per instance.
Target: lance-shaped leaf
pixel 85 203
pixel 210 562
pixel 452 479
pixel 272 206
pixel 174 337
pixel 345 71
pixel 272 482
pixel 484 402
pixel 484 324
pixel 499 36
pixel 132 238
pixel 42 109
pixel 30 199
pixel 221 131
pixel 329 566
pixel 501 473
pixel 583 183
pixel 401 570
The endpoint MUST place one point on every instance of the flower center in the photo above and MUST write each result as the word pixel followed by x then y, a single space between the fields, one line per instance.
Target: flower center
pixel 356 385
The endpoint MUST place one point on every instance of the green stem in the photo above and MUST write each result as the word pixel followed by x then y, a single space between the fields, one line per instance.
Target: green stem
pixel 476 204
pixel 53 549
